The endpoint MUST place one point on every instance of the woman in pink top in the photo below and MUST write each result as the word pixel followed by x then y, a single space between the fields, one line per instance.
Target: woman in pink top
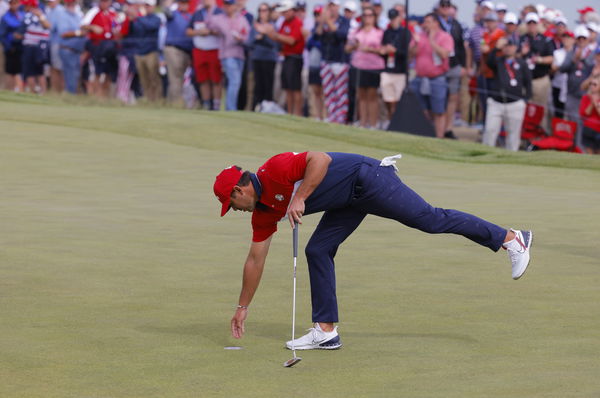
pixel 365 45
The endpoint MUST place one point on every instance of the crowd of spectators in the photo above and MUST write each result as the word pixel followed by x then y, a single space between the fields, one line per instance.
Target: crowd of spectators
pixel 342 63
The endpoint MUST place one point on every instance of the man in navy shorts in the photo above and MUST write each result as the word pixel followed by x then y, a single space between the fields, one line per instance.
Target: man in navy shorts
pixel 346 187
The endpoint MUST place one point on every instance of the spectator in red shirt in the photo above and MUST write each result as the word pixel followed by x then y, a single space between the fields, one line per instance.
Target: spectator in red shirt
pixel 292 39
pixel 102 46
pixel 590 114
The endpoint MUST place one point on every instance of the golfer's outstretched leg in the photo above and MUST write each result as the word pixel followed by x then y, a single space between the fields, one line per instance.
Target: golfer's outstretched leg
pixel 387 196
pixel 335 226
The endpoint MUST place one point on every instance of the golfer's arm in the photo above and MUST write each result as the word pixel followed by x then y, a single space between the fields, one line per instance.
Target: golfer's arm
pixel 253 269
pixel 316 168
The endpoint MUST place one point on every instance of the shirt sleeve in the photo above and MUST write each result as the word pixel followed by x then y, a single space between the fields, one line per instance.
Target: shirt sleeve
pixel 296 166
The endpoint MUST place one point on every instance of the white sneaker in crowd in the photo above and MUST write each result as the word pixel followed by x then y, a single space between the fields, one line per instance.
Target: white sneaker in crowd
pixel 317 339
pixel 518 252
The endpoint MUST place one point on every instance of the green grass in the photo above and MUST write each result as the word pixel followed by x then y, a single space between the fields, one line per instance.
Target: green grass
pixel 118 278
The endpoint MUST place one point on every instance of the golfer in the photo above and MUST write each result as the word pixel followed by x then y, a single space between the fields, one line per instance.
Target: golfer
pixel 346 187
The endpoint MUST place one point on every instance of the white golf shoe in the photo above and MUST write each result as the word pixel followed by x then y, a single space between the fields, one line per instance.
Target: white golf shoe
pixel 518 252
pixel 317 339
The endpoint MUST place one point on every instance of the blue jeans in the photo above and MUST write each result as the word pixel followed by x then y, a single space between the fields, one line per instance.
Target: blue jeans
pixel 431 96
pixel 71 69
pixel 233 71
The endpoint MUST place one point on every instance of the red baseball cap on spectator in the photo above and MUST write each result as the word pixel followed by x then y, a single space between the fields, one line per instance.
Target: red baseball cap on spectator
pixel 31 3
pixel 224 183
pixel 568 33
pixel 585 10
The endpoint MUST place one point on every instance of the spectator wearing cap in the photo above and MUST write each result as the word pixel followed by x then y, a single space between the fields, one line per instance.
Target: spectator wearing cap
pixel 314 46
pixel 52 10
pixel 511 26
pixel 332 31
pixel 559 79
pixel 178 48
pixel 67 26
pixel 546 25
pixel 35 30
pixel 476 32
pixel 292 46
pixel 537 50
pixel 589 111
pixel 350 10
pixel 146 56
pixel 233 30
pixel 365 46
pixel 578 65
pixel 382 19
pixel 431 49
pixel 506 106
pixel 99 22
pixel 458 60
pixel 10 24
pixel 490 36
pixel 501 10
pixel 559 29
pixel 393 78
pixel 583 13
pixel 205 55
pixel 263 54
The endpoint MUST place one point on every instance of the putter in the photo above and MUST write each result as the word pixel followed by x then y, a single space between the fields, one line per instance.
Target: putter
pixel 291 362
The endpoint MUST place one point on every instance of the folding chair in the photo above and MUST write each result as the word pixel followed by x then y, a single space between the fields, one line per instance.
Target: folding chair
pixel 562 138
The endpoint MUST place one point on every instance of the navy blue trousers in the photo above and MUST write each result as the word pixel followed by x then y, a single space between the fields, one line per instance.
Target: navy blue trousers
pixel 379 191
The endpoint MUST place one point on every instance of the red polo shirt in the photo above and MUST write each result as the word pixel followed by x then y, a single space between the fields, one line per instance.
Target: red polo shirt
pixel 292 28
pixel 105 19
pixel 277 178
pixel 592 121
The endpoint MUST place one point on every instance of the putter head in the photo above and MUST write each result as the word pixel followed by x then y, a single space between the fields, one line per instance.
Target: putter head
pixel 291 362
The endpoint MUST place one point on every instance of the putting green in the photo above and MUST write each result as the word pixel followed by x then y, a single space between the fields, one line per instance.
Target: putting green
pixel 118 278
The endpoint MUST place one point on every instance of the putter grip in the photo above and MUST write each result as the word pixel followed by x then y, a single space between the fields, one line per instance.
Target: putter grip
pixel 295 240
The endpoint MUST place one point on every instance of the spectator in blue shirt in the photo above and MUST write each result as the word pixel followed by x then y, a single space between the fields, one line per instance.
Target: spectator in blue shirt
pixel 71 43
pixel 13 49
pixel 147 25
pixel 178 48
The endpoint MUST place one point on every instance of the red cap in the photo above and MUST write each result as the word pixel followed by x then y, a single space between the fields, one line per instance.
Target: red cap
pixel 569 33
pixel 31 3
pixel 224 183
pixel 585 10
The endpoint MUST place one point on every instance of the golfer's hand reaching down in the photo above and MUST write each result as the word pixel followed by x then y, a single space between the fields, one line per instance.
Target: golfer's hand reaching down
pixel 295 211
pixel 237 323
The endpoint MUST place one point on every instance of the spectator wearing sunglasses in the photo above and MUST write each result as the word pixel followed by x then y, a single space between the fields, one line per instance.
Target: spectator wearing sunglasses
pixel 365 46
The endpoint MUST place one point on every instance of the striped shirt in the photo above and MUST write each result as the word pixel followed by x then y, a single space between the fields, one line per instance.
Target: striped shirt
pixel 34 32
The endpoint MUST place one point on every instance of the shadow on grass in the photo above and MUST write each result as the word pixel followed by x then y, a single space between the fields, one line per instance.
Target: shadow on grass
pixel 438 336
pixel 219 333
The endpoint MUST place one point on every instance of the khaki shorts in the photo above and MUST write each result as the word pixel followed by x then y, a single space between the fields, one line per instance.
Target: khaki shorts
pixel 392 85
